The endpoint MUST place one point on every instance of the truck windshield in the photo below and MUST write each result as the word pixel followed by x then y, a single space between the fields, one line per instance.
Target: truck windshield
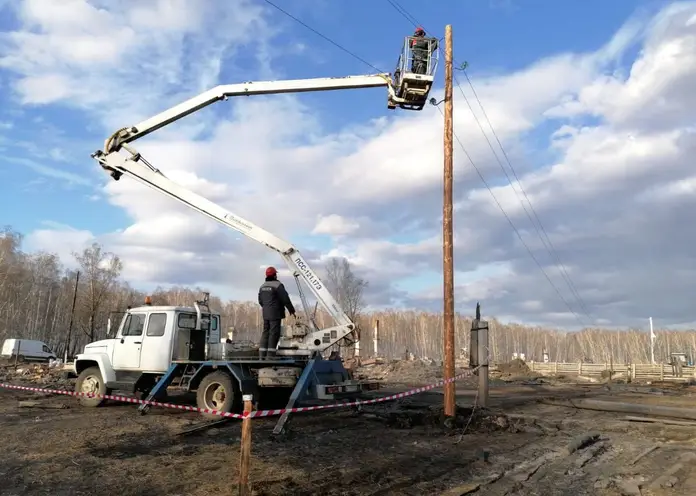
pixel 188 321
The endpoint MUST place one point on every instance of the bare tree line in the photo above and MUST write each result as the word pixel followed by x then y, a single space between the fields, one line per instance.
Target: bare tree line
pixel 36 296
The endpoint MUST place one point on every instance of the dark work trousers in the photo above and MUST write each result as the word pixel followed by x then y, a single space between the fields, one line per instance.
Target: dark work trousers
pixel 269 338
pixel 420 65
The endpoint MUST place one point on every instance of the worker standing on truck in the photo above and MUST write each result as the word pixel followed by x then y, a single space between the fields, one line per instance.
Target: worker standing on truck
pixel 422 47
pixel 274 299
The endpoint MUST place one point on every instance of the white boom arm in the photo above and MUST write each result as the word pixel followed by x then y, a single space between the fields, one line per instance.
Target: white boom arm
pixel 223 92
pixel 135 166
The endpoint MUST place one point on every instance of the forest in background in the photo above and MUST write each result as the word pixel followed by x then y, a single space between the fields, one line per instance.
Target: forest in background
pixel 36 301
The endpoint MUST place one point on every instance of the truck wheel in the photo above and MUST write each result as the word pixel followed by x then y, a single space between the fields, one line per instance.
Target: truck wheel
pixel 216 392
pixel 90 381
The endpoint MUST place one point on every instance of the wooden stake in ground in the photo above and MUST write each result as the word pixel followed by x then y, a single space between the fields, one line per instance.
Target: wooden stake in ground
pixel 245 451
pixel 448 234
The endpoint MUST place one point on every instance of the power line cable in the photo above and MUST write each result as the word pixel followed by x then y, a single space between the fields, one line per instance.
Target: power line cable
pixel 540 230
pixel 404 13
pixel 337 45
pixel 411 19
pixel 538 226
pixel 512 225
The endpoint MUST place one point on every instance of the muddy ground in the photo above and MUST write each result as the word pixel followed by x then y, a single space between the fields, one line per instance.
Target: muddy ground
pixel 521 445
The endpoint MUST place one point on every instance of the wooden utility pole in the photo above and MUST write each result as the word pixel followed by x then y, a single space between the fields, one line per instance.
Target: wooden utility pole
pixel 448 233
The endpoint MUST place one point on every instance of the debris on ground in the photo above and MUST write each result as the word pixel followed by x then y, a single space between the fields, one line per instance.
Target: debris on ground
pixel 41 404
pixel 41 374
pixel 405 447
pixel 416 372
pixel 514 368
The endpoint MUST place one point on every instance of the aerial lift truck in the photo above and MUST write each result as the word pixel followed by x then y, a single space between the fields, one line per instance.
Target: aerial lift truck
pixel 158 347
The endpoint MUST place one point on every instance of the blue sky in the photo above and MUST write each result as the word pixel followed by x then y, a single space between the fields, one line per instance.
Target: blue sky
pixel 493 36
pixel 70 76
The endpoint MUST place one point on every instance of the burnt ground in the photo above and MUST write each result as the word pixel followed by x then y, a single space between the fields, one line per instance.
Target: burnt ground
pixel 518 446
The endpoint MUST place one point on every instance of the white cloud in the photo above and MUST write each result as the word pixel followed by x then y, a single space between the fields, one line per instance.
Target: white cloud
pixel 335 225
pixel 124 62
pixel 59 239
pixel 615 202
pixel 655 93
pixel 44 170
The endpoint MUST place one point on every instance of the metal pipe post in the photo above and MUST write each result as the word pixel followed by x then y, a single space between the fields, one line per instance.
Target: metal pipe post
pixel 652 343
pixel 483 364
pixel 72 315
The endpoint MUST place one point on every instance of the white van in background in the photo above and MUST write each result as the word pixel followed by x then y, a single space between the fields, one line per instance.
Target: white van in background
pixel 27 349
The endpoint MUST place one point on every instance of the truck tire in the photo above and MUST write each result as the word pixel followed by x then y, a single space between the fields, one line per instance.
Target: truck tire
pixel 90 381
pixel 216 392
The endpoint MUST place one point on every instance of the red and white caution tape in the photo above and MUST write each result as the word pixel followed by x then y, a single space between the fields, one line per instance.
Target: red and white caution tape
pixel 254 414
pixel 124 399
pixel 391 397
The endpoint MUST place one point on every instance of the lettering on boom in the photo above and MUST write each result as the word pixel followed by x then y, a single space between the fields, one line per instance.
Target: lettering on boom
pixel 237 221
pixel 309 275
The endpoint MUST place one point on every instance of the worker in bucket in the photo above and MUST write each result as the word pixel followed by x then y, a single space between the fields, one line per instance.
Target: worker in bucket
pixel 274 299
pixel 422 47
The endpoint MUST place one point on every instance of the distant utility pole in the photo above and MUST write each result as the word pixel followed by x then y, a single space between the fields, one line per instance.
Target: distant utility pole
pixel 652 343
pixel 72 315
pixel 448 234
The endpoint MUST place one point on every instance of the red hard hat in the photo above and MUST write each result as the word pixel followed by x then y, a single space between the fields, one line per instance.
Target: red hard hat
pixel 420 30
pixel 271 271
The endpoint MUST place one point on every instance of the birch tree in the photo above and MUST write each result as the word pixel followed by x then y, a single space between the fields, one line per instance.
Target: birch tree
pixel 101 270
pixel 36 293
pixel 346 286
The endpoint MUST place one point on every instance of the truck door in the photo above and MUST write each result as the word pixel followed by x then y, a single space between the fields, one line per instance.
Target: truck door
pixel 156 353
pixel 128 345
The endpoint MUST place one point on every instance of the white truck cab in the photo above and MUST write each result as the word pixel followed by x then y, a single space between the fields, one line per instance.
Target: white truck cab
pixel 156 347
pixel 147 341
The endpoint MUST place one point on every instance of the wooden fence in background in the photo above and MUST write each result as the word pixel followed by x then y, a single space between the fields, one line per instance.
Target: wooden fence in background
pixel 634 371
